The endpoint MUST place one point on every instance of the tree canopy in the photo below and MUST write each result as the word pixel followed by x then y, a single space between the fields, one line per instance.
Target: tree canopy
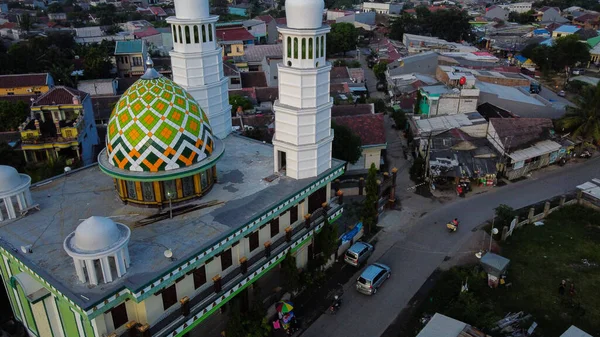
pixel 342 38
pixel 369 211
pixel 379 70
pixel 522 18
pixel 583 120
pixel 448 24
pixel 346 145
pixel 12 114
pixel 237 101
pixel 566 51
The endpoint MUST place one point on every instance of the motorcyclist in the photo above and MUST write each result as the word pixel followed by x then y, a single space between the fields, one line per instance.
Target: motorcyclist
pixel 455 222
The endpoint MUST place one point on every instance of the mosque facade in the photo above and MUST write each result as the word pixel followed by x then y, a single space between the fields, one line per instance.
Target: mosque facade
pixel 179 215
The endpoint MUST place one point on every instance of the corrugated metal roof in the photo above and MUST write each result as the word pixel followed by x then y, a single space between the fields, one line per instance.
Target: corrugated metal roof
pixel 574 331
pixel 442 326
pixel 538 149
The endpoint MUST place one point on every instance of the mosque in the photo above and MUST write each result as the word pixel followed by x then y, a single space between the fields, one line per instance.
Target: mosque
pixel 179 215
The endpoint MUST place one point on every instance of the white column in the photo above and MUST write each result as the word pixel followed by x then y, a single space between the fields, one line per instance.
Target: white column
pixel 106 273
pixel 21 202
pixel 91 271
pixel 28 198
pixel 120 263
pixel 10 208
pixel 79 269
pixel 126 256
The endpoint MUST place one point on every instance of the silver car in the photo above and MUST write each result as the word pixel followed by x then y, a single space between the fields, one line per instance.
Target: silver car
pixel 358 253
pixel 372 278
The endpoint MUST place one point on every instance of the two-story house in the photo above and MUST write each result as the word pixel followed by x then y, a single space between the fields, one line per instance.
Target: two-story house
pixel 25 84
pixel 130 57
pixel 437 100
pixel 233 41
pixel 61 125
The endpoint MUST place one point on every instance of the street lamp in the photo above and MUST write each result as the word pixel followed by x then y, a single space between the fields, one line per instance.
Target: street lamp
pixel 170 197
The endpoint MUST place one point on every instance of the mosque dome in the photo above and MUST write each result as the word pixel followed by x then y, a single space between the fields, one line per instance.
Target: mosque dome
pixel 9 178
pixel 157 126
pixel 96 233
pixel 304 14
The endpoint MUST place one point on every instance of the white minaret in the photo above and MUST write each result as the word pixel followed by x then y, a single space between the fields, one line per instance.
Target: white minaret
pixel 197 62
pixel 303 134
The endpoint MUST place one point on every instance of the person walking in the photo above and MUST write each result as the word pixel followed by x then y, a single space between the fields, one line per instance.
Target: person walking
pixel 562 287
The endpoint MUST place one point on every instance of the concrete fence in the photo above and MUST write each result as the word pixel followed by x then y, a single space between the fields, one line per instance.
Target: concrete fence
pixel 532 217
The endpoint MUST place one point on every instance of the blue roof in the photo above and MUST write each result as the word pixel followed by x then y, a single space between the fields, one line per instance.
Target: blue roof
pixel 541 31
pixel 521 58
pixel 567 29
pixel 129 47
pixel 548 42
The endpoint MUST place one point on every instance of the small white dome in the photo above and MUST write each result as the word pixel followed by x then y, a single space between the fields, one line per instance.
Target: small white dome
pixel 9 178
pixel 96 233
pixel 304 14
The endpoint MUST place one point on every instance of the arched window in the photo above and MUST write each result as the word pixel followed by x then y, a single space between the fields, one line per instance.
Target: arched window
pixel 188 38
pixel 210 32
pixel 203 33
pixel 295 47
pixel 289 47
pixel 196 37
pixel 322 46
pixel 317 39
pixel 310 48
pixel 303 49
pixel 180 35
pixel 174 34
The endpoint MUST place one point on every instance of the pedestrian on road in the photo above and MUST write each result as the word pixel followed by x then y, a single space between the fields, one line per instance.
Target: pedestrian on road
pixel 572 290
pixel 562 287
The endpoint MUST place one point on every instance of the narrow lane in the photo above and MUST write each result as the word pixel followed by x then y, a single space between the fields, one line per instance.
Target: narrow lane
pixel 415 251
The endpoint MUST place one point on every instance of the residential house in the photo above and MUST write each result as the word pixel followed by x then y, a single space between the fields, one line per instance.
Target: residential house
pixel 519 7
pixel 549 15
pixel 98 87
pixel 95 34
pixel 419 44
pixel 424 63
pixel 403 88
pixel 240 10
pixel 25 84
pixel 443 326
pixel 382 8
pixel 587 21
pixel 131 57
pixel 269 66
pixel 233 74
pixel 525 143
pixel 11 30
pixel 158 12
pixel 365 20
pixel 57 16
pixel 565 30
pixel 233 41
pixel 253 79
pixel 62 125
pixel 254 55
pixel 151 36
pixel 496 12
pixel 271 25
pixel 437 100
pixel 371 130
pixel 594 44
pixel 258 29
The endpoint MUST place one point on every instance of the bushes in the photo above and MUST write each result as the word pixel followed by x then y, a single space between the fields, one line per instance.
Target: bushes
pixel 417 170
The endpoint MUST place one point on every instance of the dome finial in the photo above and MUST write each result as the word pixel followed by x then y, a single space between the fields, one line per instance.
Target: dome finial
pixel 150 73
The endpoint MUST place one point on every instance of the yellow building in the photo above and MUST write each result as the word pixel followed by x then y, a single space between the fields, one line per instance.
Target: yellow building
pixel 25 84
pixel 233 41
pixel 130 57
pixel 62 126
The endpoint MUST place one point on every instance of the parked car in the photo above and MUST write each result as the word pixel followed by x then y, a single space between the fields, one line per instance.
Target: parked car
pixel 372 278
pixel 578 71
pixel 561 93
pixel 358 253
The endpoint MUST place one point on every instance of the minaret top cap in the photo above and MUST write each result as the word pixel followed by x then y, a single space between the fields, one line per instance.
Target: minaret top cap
pixel 150 73
pixel 192 9
pixel 304 14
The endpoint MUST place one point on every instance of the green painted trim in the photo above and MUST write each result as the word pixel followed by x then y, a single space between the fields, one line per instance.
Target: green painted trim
pixel 9 293
pixel 87 327
pixel 62 325
pixel 48 318
pixel 147 294
pixel 133 177
pixel 31 326
pixel 201 319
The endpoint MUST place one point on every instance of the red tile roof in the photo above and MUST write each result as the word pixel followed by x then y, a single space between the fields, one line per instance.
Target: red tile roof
pixel 59 95
pixel 265 18
pixel 9 25
pixel 281 21
pixel 23 80
pixel 157 11
pixel 587 17
pixel 351 110
pixel 234 34
pixel 340 88
pixel 149 31
pixel 339 73
pixel 267 94
pixel 253 79
pixel 369 128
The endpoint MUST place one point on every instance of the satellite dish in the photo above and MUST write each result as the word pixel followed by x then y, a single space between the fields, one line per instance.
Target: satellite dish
pixel 495 231
pixel 168 253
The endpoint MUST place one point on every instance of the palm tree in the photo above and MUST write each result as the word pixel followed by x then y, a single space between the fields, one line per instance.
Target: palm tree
pixel 583 120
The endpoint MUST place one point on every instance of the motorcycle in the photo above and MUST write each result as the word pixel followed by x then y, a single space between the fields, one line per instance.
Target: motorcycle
pixel 452 227
pixel 335 306
pixel 585 154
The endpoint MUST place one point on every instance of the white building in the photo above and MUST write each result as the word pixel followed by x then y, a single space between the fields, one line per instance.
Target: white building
pixel 197 63
pixel 519 7
pixel 303 138
pixel 382 8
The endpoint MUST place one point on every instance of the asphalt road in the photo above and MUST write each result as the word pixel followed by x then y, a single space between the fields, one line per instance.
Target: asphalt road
pixel 414 251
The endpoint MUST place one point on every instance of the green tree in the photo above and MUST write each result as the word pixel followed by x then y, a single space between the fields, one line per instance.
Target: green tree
pixel 12 114
pixel 417 171
pixel 326 241
pixel 237 101
pixel 449 24
pixel 379 70
pixel 378 103
pixel 504 215
pixel 235 327
pixel 568 51
pixel 25 22
pixel 54 7
pixel 369 211
pixel 11 157
pixel 417 107
pixel 290 272
pixel 342 38
pixel 96 63
pixel 522 18
pixel 583 120
pixel 399 119
pixel 346 145
pixel 219 7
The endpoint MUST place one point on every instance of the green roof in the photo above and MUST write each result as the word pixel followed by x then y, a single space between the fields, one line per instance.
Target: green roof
pixel 129 47
pixel 593 41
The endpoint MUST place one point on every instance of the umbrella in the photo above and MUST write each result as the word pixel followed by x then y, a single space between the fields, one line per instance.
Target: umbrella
pixel 284 307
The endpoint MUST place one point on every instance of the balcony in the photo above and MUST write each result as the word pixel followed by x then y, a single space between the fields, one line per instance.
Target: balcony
pixel 208 300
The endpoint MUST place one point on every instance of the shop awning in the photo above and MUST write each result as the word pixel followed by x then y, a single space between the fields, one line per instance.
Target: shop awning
pixel 34 291
pixel 536 150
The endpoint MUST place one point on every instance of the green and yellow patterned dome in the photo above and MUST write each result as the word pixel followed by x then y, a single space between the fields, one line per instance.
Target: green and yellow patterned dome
pixel 157 126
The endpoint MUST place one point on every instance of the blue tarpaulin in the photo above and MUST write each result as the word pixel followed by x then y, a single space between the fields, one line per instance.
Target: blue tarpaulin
pixel 352 233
